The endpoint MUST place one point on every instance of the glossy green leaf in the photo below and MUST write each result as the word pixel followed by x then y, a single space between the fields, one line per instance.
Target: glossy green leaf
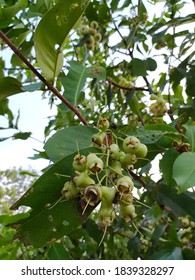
pixel 75 80
pixel 180 204
pixel 138 67
pixel 58 252
pixel 190 134
pixel 168 254
pixel 56 25
pixel 9 86
pixel 166 164
pixel 184 171
pixel 68 140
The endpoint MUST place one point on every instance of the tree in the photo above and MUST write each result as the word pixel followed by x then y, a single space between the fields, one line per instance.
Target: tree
pixel 100 63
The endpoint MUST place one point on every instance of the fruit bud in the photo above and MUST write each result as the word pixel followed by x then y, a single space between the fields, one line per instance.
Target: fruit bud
pixel 128 212
pixel 70 190
pixel 82 180
pixel 98 138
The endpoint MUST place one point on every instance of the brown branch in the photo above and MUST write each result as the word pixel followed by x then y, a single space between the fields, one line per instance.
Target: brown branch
pixel 137 178
pixel 126 88
pixel 49 86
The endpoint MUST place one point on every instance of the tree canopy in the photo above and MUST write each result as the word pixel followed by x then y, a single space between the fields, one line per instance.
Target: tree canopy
pixel 122 80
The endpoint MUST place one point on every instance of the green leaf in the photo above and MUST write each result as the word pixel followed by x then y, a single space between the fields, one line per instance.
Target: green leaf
pixel 166 164
pixel 66 141
pixel 56 25
pixel 58 252
pixel 168 254
pixel 9 86
pixel 184 171
pixel 151 64
pixel 8 219
pixel 179 204
pixel 138 67
pixel 190 134
pixel 51 217
pixel 22 135
pixel 75 80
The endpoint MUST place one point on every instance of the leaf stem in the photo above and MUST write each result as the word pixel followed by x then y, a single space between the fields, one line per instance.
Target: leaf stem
pixel 49 86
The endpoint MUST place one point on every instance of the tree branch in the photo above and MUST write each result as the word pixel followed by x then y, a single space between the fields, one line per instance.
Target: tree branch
pixel 49 86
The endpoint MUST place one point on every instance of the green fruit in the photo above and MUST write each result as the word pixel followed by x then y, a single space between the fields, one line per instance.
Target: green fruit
pixel 128 212
pixel 84 30
pixel 98 138
pixel 92 194
pixel 97 37
pixel 115 170
pixel 79 163
pixel 125 184
pixel 94 164
pixel 94 24
pixel 141 150
pixel 108 195
pixel 82 180
pixel 127 160
pixel 70 190
pixel 103 124
pixel 92 31
pixel 130 144
pixel 114 151
pixel 106 215
pixel 126 199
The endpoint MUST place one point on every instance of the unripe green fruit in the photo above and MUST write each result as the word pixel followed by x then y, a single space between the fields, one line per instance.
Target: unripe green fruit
pixel 92 31
pixel 82 180
pixel 94 24
pixel 185 222
pixel 92 194
pixel 98 138
pixel 103 124
pixel 127 159
pixel 108 195
pixel 128 212
pixel 79 163
pixel 125 184
pixel 94 164
pixel 106 215
pixel 70 190
pixel 141 150
pixel 84 30
pixel 98 37
pixel 115 170
pixel 90 41
pixel 130 144
pixel 126 199
pixel 114 151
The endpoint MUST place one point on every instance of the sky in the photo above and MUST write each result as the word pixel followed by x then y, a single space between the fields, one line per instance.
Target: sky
pixel 33 117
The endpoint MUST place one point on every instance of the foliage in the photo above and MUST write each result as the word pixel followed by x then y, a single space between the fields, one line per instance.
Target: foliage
pixel 121 73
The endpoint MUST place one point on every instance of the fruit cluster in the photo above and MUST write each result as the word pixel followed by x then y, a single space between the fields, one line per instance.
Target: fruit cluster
pixel 93 37
pixel 104 177
pixel 125 83
pixel 158 108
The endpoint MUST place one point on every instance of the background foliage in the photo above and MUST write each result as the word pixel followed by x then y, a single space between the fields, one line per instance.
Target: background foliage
pixel 138 72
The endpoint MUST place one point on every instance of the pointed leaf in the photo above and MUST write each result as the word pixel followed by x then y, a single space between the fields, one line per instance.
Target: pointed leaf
pixel 190 134
pixel 184 171
pixel 22 135
pixel 66 141
pixel 9 86
pixel 58 252
pixel 75 80
pixel 56 25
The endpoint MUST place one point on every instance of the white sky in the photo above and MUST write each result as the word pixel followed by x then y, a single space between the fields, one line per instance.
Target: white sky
pixel 33 117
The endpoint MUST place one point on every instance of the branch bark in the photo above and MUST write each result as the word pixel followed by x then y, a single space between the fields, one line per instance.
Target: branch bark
pixel 49 86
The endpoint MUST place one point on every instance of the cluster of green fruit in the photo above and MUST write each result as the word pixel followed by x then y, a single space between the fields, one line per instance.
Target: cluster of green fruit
pixel 104 177
pixel 93 37
pixel 186 233
pixel 125 83
pixel 158 108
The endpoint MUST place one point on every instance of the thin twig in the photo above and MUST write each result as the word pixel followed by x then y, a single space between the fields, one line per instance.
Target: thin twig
pixel 49 86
